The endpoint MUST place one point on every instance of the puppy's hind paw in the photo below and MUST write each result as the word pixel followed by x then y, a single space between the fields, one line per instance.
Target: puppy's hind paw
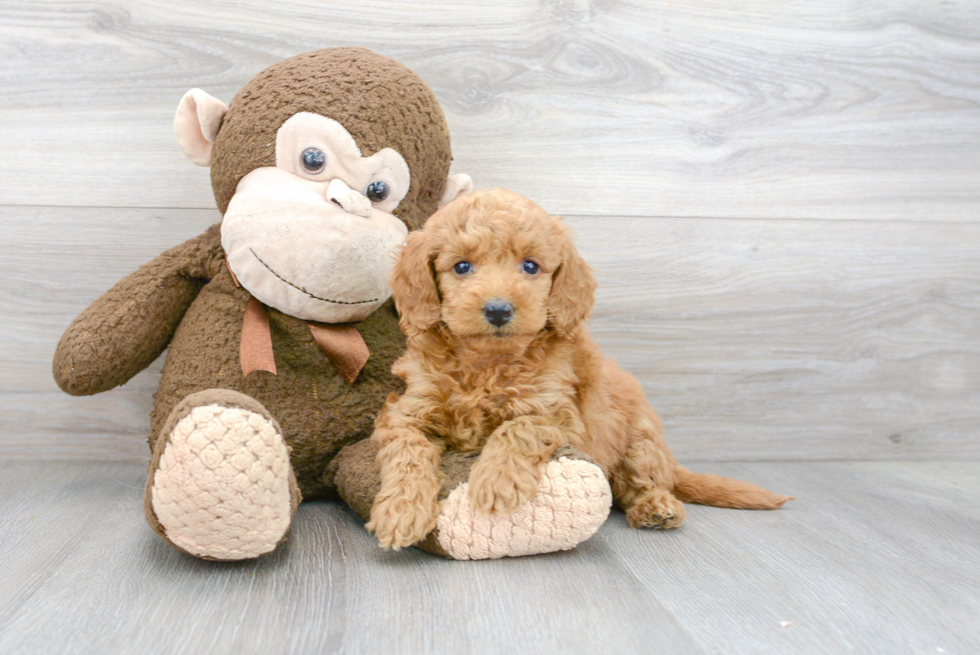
pixel 658 509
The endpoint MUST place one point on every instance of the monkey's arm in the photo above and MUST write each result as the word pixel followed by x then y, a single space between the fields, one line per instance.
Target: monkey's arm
pixel 122 332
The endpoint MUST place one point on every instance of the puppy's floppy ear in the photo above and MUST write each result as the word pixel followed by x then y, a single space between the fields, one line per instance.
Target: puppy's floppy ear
pixel 572 290
pixel 413 285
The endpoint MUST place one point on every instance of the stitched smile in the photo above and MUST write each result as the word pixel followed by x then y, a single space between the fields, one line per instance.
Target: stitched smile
pixel 299 288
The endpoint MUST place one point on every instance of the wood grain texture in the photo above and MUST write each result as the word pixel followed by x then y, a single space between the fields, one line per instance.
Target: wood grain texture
pixel 873 557
pixel 796 339
pixel 754 339
pixel 638 108
pixel 665 131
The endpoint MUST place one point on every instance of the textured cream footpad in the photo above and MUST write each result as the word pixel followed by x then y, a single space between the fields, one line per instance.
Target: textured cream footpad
pixel 572 502
pixel 222 487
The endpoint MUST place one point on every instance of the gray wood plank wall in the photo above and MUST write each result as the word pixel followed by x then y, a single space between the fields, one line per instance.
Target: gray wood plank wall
pixel 782 200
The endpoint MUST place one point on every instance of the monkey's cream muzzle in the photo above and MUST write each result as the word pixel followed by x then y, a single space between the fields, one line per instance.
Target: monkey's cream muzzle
pixel 295 249
pixel 347 199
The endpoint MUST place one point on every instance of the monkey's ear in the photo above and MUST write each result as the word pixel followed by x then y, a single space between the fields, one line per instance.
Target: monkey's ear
pixel 196 124
pixel 456 185
pixel 413 285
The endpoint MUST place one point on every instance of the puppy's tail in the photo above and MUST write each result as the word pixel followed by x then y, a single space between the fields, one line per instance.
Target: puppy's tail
pixel 707 489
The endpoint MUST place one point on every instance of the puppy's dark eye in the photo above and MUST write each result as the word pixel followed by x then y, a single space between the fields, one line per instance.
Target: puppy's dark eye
pixel 530 267
pixel 314 160
pixel 377 191
pixel 462 268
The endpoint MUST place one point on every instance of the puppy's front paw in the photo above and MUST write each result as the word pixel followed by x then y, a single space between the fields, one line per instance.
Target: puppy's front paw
pixel 402 520
pixel 502 488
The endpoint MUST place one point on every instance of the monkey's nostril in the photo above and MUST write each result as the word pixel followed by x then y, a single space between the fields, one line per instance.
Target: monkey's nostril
pixel 498 312
pixel 336 202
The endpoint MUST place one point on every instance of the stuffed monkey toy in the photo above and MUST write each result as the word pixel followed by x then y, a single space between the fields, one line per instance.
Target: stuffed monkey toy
pixel 279 323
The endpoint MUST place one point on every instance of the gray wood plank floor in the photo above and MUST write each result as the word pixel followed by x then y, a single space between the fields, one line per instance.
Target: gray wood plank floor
pixel 780 201
pixel 873 557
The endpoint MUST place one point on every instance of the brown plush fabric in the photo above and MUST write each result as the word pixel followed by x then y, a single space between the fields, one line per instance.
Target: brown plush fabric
pixel 186 298
pixel 380 101
pixel 126 329
pixel 354 473
pixel 122 332
pixel 318 410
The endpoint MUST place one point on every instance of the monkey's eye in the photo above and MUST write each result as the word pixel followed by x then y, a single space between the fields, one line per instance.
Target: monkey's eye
pixel 377 191
pixel 530 267
pixel 314 160
pixel 462 268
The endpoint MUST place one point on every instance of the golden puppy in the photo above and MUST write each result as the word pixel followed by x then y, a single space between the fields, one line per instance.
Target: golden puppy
pixel 493 295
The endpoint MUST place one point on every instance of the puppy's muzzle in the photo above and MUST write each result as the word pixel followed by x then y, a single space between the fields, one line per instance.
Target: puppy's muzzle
pixel 498 312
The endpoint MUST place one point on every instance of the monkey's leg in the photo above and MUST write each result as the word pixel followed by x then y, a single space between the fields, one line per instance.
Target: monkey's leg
pixel 219 485
pixel 573 500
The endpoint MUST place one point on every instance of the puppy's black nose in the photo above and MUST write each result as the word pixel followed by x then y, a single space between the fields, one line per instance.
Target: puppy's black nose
pixel 498 312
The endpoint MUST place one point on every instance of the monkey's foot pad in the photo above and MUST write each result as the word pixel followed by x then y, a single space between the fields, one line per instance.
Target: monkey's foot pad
pixel 221 490
pixel 572 502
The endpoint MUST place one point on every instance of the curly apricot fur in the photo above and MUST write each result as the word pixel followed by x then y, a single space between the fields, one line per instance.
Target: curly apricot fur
pixel 519 391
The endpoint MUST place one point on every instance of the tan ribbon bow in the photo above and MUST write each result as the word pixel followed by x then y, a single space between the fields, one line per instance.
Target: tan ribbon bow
pixel 341 343
pixel 344 347
pixel 255 347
